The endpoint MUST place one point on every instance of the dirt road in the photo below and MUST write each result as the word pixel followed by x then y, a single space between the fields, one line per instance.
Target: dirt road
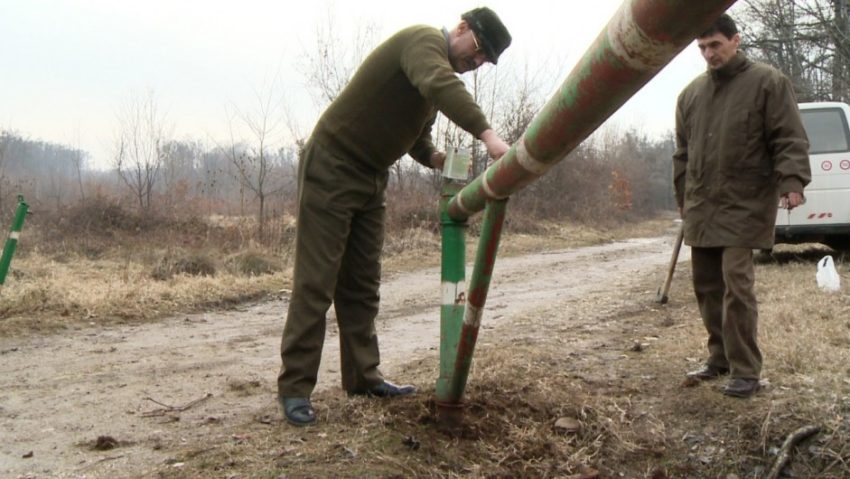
pixel 127 385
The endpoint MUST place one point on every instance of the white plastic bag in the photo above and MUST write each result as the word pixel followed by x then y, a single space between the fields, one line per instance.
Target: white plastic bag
pixel 828 279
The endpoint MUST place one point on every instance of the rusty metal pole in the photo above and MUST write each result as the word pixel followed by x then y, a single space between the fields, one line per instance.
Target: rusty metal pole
pixel 642 37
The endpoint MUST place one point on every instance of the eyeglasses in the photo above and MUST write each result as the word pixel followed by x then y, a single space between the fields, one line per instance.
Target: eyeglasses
pixel 475 41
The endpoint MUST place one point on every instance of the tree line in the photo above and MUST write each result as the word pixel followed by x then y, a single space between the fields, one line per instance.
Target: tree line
pixel 615 175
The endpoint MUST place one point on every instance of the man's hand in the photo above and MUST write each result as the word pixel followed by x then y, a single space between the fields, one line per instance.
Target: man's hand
pixel 791 200
pixel 438 158
pixel 496 147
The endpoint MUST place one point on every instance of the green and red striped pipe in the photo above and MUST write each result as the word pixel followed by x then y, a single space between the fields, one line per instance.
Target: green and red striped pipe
pixel 641 38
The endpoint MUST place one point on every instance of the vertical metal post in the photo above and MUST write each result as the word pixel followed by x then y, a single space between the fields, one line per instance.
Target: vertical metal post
pixel 453 276
pixel 12 240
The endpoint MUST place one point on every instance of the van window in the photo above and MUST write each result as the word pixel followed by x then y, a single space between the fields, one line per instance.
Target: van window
pixel 827 130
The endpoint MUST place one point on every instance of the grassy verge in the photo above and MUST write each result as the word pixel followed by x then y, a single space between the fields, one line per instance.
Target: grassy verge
pixel 133 280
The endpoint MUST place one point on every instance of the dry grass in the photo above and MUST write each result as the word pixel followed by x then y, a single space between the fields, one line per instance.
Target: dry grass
pixel 118 277
pixel 44 294
pixel 613 367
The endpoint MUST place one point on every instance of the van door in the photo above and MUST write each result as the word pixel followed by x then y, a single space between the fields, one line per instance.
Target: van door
pixel 825 217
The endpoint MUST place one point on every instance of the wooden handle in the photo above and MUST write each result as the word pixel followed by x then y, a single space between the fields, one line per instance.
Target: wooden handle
pixel 662 293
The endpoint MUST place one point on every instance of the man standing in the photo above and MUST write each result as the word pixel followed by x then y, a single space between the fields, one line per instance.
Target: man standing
pixel 384 112
pixel 740 150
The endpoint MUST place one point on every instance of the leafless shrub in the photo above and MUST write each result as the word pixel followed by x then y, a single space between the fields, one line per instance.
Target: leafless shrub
pixel 191 263
pixel 253 263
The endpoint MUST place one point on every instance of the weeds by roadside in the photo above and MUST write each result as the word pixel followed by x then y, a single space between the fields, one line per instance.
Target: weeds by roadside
pixel 107 266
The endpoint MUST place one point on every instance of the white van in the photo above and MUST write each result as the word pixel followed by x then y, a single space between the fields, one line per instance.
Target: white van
pixel 825 217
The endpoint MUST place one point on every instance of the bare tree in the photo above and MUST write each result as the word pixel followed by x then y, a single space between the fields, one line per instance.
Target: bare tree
pixel 78 161
pixel 141 148
pixel 841 64
pixel 257 161
pixel 329 66
pixel 5 148
pixel 179 170
pixel 55 172
pixel 808 40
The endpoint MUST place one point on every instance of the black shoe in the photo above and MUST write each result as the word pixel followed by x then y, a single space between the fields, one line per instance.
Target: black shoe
pixel 385 390
pixel 741 388
pixel 298 411
pixel 707 373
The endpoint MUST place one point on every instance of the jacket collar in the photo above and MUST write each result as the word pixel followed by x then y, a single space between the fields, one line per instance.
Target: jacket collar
pixel 736 65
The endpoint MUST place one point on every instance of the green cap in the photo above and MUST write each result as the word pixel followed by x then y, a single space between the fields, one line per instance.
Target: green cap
pixel 492 33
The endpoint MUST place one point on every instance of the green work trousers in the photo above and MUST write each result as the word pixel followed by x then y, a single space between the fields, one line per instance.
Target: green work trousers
pixel 338 242
pixel 723 284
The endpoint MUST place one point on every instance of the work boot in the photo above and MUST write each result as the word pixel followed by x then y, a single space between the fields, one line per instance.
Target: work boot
pixel 741 388
pixel 385 389
pixel 707 373
pixel 298 411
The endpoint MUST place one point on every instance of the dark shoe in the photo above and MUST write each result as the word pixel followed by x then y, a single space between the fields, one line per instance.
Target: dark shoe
pixel 298 411
pixel 385 390
pixel 707 373
pixel 741 388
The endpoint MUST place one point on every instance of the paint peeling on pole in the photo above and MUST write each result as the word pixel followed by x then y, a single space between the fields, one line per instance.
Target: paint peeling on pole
pixel 642 37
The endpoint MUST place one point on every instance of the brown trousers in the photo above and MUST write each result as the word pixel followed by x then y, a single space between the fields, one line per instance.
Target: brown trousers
pixel 338 242
pixel 723 284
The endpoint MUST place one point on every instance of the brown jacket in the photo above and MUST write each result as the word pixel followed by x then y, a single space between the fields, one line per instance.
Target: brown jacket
pixel 740 144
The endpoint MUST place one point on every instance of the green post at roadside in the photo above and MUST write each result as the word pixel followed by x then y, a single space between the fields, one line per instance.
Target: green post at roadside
pixel 453 288
pixel 12 240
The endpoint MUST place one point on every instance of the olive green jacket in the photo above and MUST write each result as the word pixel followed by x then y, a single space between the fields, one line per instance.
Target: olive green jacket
pixel 740 144
pixel 389 106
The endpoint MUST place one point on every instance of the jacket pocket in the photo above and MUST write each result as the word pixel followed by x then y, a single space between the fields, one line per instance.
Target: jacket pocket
pixel 750 189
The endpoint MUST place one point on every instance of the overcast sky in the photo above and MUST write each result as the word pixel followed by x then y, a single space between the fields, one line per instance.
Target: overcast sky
pixel 69 65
